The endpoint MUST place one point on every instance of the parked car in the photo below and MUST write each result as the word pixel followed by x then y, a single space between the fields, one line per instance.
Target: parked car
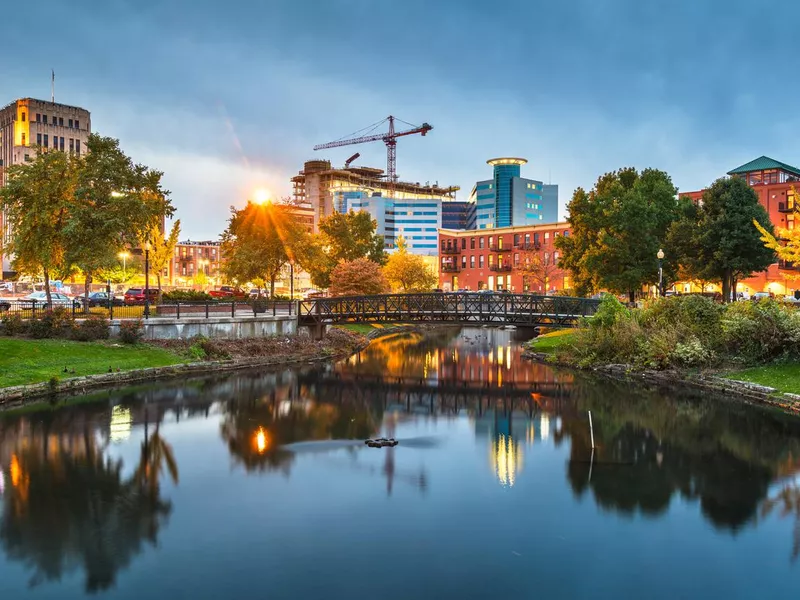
pixel 311 294
pixel 5 305
pixel 230 292
pixel 100 299
pixel 761 296
pixel 136 296
pixel 255 292
pixel 39 300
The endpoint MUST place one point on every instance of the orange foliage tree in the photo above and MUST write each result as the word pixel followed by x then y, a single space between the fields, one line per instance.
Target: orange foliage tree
pixel 358 277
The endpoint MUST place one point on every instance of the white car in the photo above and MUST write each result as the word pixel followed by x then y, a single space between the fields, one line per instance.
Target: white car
pixel 39 300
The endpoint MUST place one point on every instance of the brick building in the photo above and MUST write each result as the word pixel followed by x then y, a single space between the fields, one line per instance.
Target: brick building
pixel 773 181
pixel 517 259
pixel 191 258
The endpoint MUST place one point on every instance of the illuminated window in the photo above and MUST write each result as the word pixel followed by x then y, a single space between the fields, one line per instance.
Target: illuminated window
pixel 23 139
pixel 472 262
pixel 24 117
pixel 480 261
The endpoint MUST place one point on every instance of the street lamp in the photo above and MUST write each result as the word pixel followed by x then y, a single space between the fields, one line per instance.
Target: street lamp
pixel 124 256
pixel 291 279
pixel 147 247
pixel 660 256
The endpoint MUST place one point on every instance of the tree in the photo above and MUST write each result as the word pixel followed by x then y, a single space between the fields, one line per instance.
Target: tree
pixel 786 245
pixel 259 241
pixel 343 237
pixel 716 240
pixel 360 277
pixel 162 248
pixel 617 230
pixel 115 202
pixel 535 266
pixel 408 272
pixel 36 205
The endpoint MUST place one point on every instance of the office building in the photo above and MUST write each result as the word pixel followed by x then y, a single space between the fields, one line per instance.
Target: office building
pixel 28 124
pixel 516 259
pixel 458 214
pixel 508 199
pixel 411 210
pixel 774 182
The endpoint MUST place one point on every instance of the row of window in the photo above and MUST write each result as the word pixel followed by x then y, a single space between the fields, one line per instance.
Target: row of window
pixel 546 259
pixel 58 143
pixel 518 239
pixel 54 120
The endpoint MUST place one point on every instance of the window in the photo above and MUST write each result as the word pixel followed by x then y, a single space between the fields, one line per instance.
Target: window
pixel 62 144
pixel 46 143
pixel 77 146
pixel 516 239
pixel 38 117
pixel 24 117
pixel 38 139
pixel 480 261
pixel 463 262
pixel 463 243
pixel 527 238
pixel 535 238
pixel 71 145
pixel 69 123
pixel 516 259
pixel 27 158
pixel 472 262
pixel 566 233
pixel 44 119
pixel 61 121
pixel 23 139
pixel 472 243
pixel 443 244
pixel 77 124
pixel 491 260
pixel 547 258
pixel 546 235
pixel 480 242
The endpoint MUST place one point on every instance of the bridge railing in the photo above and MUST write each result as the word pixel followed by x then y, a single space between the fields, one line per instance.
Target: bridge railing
pixel 460 307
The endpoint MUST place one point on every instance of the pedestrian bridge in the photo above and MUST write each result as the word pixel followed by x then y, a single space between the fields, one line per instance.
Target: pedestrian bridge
pixel 523 310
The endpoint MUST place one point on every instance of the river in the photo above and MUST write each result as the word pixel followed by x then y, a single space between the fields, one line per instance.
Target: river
pixel 259 485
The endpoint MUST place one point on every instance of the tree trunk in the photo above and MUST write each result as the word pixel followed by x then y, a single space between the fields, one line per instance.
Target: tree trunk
pixel 632 296
pixel 272 287
pixel 46 273
pixel 87 286
pixel 158 281
pixel 726 287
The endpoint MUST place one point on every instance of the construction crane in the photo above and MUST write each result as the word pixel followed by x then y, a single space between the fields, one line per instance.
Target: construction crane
pixel 390 139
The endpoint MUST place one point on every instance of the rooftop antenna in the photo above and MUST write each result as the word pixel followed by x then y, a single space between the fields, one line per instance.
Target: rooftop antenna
pixel 52 86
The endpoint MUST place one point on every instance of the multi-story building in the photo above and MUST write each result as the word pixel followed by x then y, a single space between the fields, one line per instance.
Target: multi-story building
pixel 775 184
pixel 517 259
pixel 400 208
pixel 192 258
pixel 508 199
pixel 458 214
pixel 28 124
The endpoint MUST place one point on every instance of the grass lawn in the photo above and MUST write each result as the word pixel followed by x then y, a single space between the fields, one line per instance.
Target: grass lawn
pixel 550 342
pixel 365 328
pixel 24 361
pixel 785 378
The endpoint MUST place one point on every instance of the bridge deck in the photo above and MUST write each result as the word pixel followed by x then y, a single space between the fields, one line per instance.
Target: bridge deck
pixel 487 309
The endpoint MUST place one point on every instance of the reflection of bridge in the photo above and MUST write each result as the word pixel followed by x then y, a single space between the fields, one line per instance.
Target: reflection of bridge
pixel 458 308
pixel 447 396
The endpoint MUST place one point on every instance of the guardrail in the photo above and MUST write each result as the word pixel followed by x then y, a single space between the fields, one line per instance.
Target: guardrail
pixel 28 309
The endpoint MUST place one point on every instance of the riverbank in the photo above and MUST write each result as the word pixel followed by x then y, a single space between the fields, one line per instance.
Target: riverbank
pixel 775 385
pixel 168 358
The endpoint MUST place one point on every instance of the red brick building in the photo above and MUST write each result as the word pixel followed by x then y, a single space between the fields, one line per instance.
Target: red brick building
pixel 773 181
pixel 517 259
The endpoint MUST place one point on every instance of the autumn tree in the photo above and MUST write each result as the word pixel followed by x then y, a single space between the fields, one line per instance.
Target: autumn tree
pixel 715 240
pixel 538 267
pixel 408 272
pixel 162 248
pixel 116 201
pixel 35 204
pixel 617 229
pixel 786 244
pixel 259 242
pixel 359 277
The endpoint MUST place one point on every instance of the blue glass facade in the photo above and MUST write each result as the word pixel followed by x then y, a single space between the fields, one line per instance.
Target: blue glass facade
pixel 458 215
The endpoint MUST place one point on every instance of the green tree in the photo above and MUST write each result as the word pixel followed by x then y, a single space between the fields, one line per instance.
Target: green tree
pixel 162 248
pixel 716 241
pixel 408 272
pixel 787 244
pixel 115 202
pixel 343 237
pixel 617 230
pixel 36 203
pixel 358 277
pixel 259 242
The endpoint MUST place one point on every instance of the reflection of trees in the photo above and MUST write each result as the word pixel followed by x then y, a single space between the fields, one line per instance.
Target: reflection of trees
pixel 256 430
pixel 787 503
pixel 68 507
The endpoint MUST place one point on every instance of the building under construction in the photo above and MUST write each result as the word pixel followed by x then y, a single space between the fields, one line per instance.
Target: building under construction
pixel 410 210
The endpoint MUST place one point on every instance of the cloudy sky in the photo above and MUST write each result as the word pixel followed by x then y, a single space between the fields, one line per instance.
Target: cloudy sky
pixel 225 97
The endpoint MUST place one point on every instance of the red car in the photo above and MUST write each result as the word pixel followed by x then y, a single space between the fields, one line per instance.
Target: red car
pixel 136 296
pixel 229 292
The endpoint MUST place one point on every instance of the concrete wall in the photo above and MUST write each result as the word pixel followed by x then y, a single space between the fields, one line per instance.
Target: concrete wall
pixel 215 327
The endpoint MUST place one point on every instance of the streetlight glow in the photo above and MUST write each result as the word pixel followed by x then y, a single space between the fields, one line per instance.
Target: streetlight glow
pixel 660 254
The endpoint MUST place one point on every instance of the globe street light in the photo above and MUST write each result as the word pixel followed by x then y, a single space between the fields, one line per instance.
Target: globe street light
pixel 660 256
pixel 147 247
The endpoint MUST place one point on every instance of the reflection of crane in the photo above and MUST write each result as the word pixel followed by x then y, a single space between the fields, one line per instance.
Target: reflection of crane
pixel 390 139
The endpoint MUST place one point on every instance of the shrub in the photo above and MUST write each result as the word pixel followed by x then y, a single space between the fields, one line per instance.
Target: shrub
pixel 698 315
pixel 12 324
pixel 186 296
pixel 57 322
pixel 94 327
pixel 760 331
pixel 131 331
pixel 692 353
pixel 609 312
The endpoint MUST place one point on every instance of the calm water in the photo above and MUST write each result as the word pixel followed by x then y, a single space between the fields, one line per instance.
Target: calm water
pixel 247 486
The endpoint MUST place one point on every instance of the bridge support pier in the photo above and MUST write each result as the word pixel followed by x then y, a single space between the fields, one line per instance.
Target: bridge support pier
pixel 317 331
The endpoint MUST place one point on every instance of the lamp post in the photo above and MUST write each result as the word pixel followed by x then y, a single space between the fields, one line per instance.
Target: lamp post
pixel 124 256
pixel 660 256
pixel 147 247
pixel 291 279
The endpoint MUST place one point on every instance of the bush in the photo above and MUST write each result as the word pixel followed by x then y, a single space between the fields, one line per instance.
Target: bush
pixel 94 327
pixel 57 322
pixel 12 324
pixel 698 314
pixel 186 296
pixel 761 331
pixel 131 331
pixel 609 312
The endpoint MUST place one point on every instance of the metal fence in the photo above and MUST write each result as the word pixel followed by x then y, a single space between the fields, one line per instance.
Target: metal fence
pixel 27 309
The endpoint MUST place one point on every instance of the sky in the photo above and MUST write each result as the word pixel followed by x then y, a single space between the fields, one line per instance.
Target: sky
pixel 228 97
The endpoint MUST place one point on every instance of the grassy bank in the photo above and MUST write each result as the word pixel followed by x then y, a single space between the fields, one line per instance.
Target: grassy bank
pixel 26 361
pixel 365 328
pixel 550 343
pixel 782 377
